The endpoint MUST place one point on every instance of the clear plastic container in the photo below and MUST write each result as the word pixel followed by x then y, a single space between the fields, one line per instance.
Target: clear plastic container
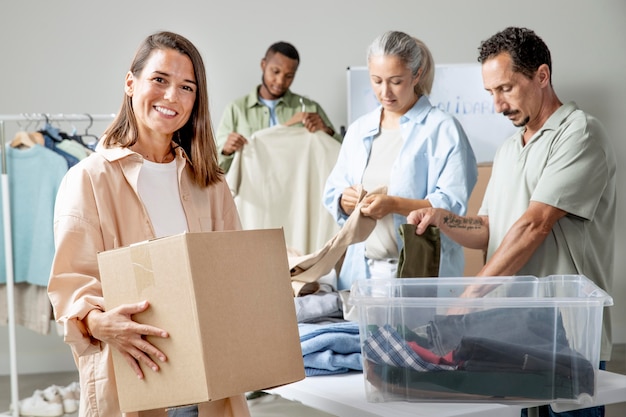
pixel 517 339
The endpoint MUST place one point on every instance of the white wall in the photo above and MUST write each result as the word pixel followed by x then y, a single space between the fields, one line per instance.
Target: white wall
pixel 71 56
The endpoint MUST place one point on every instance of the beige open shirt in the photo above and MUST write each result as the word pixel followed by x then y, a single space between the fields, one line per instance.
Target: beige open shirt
pixel 98 209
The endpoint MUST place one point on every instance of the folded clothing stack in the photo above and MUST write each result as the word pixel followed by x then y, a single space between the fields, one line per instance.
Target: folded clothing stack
pixel 330 348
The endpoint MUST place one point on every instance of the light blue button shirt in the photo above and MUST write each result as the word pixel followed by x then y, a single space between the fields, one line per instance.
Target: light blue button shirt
pixel 271 104
pixel 436 163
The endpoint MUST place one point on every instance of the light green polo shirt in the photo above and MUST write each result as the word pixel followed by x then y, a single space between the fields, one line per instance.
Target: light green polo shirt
pixel 248 114
pixel 568 164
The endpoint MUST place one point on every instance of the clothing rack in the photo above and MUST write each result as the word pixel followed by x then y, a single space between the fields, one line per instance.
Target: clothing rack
pixel 8 237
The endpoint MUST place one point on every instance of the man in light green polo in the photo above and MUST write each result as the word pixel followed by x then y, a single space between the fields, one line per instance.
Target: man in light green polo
pixel 549 208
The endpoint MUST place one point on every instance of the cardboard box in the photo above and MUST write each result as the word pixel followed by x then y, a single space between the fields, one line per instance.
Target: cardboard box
pixel 226 300
pixel 526 339
pixel 475 258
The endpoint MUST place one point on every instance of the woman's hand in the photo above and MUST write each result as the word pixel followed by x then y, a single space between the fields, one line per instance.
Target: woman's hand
pixel 117 328
pixel 350 198
pixel 377 206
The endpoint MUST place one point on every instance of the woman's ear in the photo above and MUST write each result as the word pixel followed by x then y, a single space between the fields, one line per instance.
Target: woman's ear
pixel 417 78
pixel 128 85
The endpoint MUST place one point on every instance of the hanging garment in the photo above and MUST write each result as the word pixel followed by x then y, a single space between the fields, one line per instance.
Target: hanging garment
pixel 73 148
pixel 277 180
pixel 52 137
pixel 31 307
pixel 34 174
pixel 419 256
pixel 34 177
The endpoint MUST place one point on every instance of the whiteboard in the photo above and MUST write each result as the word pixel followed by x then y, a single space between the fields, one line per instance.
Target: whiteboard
pixel 457 89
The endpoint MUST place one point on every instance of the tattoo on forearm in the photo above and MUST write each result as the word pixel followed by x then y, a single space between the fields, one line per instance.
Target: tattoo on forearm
pixel 467 223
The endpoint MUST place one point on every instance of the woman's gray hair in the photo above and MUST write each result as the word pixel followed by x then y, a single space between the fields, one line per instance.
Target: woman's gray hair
pixel 412 51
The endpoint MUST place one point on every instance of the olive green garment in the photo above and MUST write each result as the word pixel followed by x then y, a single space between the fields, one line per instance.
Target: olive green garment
pixel 419 256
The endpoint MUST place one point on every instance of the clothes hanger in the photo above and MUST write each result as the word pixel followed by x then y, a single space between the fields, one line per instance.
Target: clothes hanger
pixel 22 140
pixel 38 138
pixel 295 120
pixel 51 131
pixel 87 134
pixel 62 132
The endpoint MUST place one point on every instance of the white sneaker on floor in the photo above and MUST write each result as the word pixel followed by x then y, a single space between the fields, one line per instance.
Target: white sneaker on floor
pixel 42 405
pixel 70 396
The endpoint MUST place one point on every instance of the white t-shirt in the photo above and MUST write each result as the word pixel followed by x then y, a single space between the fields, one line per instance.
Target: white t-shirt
pixel 158 189
pixel 381 243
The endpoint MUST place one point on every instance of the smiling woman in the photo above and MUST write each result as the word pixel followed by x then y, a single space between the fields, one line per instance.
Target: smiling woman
pixel 129 190
pixel 163 95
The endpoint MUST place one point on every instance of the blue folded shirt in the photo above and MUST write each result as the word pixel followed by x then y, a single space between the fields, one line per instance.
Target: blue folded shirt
pixel 330 348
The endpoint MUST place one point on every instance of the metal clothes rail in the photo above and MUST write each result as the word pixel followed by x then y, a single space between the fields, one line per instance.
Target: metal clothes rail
pixel 8 240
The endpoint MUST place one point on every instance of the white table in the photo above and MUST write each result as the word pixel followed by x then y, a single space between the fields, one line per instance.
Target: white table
pixel 344 396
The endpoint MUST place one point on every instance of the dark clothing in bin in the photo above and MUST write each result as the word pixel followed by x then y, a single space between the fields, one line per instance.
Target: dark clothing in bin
pixel 530 359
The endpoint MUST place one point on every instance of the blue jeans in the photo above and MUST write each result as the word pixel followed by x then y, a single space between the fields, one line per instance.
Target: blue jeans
pixel 546 411
pixel 186 411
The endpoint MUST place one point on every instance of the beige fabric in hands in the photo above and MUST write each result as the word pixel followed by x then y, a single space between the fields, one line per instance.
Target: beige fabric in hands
pixel 289 195
pixel 306 270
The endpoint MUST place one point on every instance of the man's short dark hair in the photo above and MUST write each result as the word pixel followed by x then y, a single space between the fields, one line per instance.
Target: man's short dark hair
pixel 284 48
pixel 527 50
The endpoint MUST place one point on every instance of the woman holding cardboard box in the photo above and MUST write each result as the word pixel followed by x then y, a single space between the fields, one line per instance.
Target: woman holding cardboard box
pixel 154 173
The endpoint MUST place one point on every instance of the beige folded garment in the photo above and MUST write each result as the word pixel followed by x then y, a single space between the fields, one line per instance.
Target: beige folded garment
pixel 306 270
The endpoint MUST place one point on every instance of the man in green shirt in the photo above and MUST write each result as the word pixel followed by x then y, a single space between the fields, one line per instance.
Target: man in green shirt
pixel 269 104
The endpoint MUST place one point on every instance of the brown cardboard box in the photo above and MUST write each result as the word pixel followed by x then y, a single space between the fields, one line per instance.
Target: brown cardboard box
pixel 226 300
pixel 474 258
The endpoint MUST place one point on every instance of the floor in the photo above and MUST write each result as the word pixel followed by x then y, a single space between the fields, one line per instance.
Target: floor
pixel 30 382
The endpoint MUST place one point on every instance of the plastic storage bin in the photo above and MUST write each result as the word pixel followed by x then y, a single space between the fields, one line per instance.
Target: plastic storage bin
pixel 518 339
